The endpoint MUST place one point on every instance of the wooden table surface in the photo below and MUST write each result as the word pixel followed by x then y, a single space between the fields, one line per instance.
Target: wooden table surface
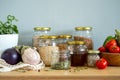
pixel 84 73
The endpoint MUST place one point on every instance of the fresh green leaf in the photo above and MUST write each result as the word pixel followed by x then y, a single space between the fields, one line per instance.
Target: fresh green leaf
pixel 108 38
pixel 7 27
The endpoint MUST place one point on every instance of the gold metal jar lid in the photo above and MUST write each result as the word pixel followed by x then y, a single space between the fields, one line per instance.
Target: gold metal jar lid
pixel 80 28
pixel 52 36
pixel 44 37
pixel 42 28
pixel 71 42
pixel 79 42
pixel 93 51
pixel 65 36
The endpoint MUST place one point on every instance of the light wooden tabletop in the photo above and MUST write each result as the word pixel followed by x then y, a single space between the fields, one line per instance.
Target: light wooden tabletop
pixel 84 73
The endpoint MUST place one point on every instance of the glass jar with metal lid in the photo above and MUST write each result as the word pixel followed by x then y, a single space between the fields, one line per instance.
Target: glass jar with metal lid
pixel 47 44
pixel 38 31
pixel 79 56
pixel 63 39
pixel 84 33
pixel 93 56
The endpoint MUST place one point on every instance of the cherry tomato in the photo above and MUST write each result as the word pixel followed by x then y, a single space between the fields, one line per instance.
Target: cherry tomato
pixel 114 49
pixel 111 43
pixel 101 63
pixel 102 49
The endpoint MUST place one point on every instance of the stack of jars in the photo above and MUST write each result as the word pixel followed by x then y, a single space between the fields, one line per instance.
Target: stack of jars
pixel 63 51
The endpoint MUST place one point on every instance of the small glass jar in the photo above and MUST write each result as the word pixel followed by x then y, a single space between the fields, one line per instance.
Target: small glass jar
pixel 93 56
pixel 71 45
pixel 79 56
pixel 39 31
pixel 60 60
pixel 63 39
pixel 84 33
pixel 47 44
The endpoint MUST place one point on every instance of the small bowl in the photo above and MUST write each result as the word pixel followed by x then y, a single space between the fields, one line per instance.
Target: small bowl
pixel 113 59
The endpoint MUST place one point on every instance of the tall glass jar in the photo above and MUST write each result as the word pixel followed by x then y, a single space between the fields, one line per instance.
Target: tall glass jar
pixel 93 56
pixel 79 56
pixel 84 34
pixel 47 45
pixel 63 39
pixel 39 31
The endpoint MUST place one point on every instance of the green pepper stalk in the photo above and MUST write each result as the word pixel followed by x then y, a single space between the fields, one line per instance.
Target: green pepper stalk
pixel 117 36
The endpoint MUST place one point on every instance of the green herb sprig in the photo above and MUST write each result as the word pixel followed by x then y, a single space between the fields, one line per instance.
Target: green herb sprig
pixel 8 27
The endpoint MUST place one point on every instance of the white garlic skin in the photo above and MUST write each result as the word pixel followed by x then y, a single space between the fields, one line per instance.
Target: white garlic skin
pixel 31 56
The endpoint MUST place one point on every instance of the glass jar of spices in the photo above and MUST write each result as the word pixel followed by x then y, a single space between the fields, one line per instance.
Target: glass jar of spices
pixel 79 56
pixel 93 56
pixel 39 31
pixel 84 33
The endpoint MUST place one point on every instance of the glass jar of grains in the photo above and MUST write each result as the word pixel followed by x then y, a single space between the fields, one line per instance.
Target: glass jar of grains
pixel 47 44
pixel 93 56
pixel 39 31
pixel 79 56
pixel 84 33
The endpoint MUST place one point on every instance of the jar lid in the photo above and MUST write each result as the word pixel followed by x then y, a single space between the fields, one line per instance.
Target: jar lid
pixel 80 42
pixel 65 36
pixel 71 42
pixel 42 28
pixel 52 36
pixel 80 28
pixel 93 51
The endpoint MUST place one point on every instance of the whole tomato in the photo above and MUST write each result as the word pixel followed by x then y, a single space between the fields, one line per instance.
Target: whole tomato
pixel 102 49
pixel 111 43
pixel 114 49
pixel 101 63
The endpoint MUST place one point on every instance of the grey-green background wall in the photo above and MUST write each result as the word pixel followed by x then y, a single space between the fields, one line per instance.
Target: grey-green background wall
pixel 62 16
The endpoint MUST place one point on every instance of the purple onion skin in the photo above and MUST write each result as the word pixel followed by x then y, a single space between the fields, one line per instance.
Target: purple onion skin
pixel 11 56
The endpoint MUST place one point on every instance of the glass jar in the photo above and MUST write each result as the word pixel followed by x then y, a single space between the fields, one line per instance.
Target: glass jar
pixel 63 39
pixel 60 60
pixel 47 44
pixel 93 56
pixel 84 34
pixel 79 56
pixel 71 45
pixel 39 31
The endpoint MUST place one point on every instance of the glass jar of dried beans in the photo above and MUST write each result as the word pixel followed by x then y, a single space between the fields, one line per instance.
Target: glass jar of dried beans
pixel 84 33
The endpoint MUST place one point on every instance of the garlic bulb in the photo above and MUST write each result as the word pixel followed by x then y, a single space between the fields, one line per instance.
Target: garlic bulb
pixel 31 56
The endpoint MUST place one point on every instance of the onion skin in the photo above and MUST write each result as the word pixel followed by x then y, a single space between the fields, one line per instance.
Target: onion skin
pixel 11 56
pixel 31 56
